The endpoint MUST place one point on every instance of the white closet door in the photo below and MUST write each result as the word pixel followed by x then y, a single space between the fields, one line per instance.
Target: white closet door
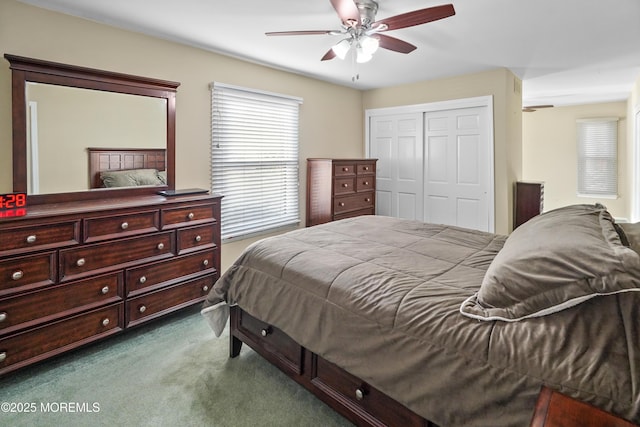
pixel 397 142
pixel 457 172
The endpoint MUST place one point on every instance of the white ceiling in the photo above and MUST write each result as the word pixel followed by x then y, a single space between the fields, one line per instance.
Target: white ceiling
pixel 565 51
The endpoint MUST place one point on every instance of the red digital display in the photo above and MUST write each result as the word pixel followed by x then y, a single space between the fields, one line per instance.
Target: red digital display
pixel 13 204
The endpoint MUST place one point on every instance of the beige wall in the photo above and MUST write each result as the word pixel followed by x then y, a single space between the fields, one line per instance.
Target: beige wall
pixel 327 128
pixel 550 154
pixel 633 139
pixel 505 88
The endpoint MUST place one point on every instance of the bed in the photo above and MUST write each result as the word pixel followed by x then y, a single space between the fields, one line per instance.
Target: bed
pixel 398 322
pixel 126 167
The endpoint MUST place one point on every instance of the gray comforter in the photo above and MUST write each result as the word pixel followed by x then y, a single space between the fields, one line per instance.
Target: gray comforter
pixel 381 297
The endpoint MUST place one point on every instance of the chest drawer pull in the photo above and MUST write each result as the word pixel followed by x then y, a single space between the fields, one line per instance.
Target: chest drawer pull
pixel 80 262
pixel 345 185
pixel 124 225
pixel 366 183
pixel 345 169
pixel 266 331
pixel 31 238
pixel 205 262
pixel 142 279
pixel 105 290
pixel 3 356
pixel 105 322
pixel 142 309
pixel 198 238
pixel 341 204
pixel 360 394
pixel 367 199
pixel 191 215
pixel 17 275
pixel 160 246
pixel 205 288
pixel 3 316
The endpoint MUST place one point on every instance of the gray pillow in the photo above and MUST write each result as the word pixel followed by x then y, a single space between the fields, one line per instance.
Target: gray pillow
pixel 130 178
pixel 555 261
pixel 631 233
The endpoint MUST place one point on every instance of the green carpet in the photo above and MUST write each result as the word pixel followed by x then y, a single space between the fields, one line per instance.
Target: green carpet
pixel 173 372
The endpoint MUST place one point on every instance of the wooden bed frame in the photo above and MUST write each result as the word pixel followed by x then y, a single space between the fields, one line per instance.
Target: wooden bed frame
pixel 364 405
pixel 109 159
pixel 348 395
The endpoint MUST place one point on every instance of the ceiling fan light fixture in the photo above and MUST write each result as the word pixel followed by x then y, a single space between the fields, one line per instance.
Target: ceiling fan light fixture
pixel 341 48
pixel 369 45
pixel 362 56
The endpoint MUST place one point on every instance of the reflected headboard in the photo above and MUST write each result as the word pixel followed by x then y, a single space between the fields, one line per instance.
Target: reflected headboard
pixel 109 159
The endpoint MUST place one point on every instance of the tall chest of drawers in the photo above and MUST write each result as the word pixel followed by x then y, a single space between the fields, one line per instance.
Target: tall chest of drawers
pixel 340 188
pixel 73 273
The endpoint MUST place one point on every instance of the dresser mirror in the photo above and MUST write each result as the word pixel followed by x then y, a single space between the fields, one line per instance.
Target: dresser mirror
pixel 62 112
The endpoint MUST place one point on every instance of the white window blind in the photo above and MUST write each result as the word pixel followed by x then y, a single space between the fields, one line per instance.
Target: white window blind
pixel 598 157
pixel 254 159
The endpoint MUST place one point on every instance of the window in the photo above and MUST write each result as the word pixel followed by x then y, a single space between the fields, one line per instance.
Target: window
pixel 598 157
pixel 254 159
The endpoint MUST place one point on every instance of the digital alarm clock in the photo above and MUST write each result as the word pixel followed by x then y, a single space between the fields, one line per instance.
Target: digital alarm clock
pixel 13 204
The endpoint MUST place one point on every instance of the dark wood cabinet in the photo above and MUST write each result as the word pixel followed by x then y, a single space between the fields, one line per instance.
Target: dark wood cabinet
pixel 528 201
pixel 340 188
pixel 76 272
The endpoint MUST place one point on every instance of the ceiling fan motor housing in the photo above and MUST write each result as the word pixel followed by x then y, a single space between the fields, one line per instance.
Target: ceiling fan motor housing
pixel 368 10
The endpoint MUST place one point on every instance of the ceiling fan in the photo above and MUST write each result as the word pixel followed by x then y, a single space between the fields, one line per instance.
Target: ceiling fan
pixel 363 33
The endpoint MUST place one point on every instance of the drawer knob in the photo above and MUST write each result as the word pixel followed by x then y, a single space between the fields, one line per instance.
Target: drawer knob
pixel 17 275
pixel 105 322
pixel 198 238
pixel 191 215
pixel 205 288
pixel 345 185
pixel 345 169
pixel 367 200
pixel 205 262
pixel 31 238
pixel 142 309
pixel 3 356
pixel 142 279
pixel 360 394
pixel 105 290
pixel 266 331
pixel 160 246
pixel 80 262
pixel 341 204
pixel 124 225
pixel 366 183
pixel 3 316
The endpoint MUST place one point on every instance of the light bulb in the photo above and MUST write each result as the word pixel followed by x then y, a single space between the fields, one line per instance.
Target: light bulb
pixel 369 44
pixel 361 55
pixel 341 48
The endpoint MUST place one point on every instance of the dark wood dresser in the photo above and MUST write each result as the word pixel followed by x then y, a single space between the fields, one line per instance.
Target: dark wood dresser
pixel 72 273
pixel 340 188
pixel 529 201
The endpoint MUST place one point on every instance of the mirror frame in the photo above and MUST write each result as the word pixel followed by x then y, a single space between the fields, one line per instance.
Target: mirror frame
pixel 24 70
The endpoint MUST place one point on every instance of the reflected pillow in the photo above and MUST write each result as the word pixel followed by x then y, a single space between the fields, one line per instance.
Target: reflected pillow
pixel 555 261
pixel 130 178
pixel 162 175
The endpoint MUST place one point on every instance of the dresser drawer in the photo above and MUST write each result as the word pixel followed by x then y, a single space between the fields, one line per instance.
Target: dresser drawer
pixel 351 214
pixel 187 215
pixel 368 168
pixel 344 169
pixel 196 238
pixel 155 304
pixel 344 386
pixel 165 273
pixel 27 272
pixel 38 344
pixel 365 183
pixel 39 237
pixel 352 203
pixel 33 308
pixel 99 257
pixel 344 185
pixel 109 227
pixel 278 346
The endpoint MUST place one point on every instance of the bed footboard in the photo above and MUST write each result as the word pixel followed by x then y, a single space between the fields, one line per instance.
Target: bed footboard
pixel 348 395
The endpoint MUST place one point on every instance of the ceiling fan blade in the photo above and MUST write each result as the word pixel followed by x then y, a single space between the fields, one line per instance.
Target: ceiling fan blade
pixel 416 17
pixel 397 45
pixel 300 33
pixel 329 55
pixel 348 12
